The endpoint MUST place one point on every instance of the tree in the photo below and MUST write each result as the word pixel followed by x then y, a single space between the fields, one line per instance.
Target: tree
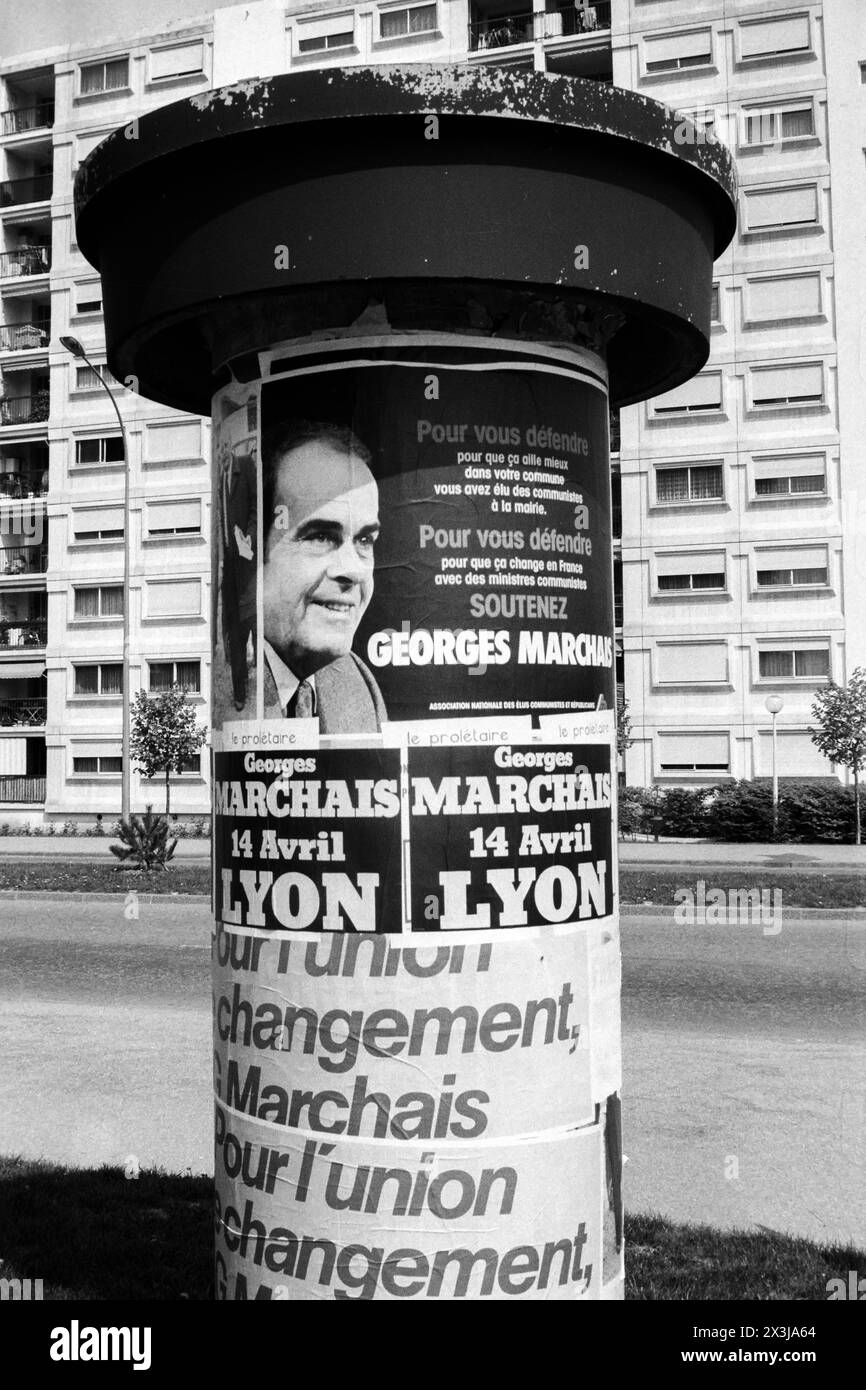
pixel 624 738
pixel 840 713
pixel 164 734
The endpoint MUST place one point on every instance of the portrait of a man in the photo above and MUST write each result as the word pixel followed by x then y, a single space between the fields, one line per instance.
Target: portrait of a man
pixel 321 522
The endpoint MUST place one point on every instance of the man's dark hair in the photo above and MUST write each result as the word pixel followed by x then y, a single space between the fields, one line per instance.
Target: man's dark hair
pixel 340 437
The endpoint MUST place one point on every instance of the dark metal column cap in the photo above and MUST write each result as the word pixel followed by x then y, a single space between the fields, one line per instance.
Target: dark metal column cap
pixel 281 206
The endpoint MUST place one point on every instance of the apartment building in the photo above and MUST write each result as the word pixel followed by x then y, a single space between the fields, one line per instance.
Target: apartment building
pixel 736 497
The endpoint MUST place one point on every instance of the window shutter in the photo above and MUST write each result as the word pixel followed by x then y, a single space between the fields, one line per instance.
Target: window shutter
pixel 674 47
pixel 703 392
pixel 694 750
pixel 788 35
pixel 804 557
pixel 177 61
pixel 690 663
pixel 797 382
pixel 785 296
pixel 86 521
pixel 805 466
pixel 781 207
pixel 174 598
pixel 702 562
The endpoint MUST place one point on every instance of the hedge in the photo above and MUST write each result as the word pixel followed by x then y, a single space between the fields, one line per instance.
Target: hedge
pixel 810 812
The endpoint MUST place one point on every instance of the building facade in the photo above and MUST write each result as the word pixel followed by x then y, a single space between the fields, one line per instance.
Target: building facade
pixel 737 497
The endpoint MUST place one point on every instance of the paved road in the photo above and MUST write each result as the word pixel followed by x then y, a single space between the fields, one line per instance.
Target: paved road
pixel 744 1057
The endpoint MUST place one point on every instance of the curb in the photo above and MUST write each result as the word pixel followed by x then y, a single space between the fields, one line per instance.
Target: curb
pixel 78 896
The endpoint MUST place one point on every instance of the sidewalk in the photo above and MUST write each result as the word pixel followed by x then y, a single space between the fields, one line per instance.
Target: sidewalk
pixel 648 854
pixel 66 847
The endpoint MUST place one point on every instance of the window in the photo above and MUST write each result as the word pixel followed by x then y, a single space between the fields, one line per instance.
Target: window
pixel 89 378
pixel 691 663
pixel 694 752
pixel 166 443
pixel 780 209
pixel 103 448
pixel 769 37
pixel 178 60
pixel 174 598
pixel 190 766
pixel 703 393
pixel 174 518
pixel 702 482
pixel 698 572
pixel 98 524
pixel 798 384
pixel 99 679
pixel 791 477
pixel 415 19
pixel 772 298
pixel 798 663
pixel 102 601
pixel 804 566
pixel 318 35
pixel 863 73
pixel 107 76
pixel 97 764
pixel 679 51
pixel 165 674
pixel 88 298
pixel 770 126
pixel 716 305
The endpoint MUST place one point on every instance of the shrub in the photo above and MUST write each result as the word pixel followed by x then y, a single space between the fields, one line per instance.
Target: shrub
pixel 630 807
pixel 145 842
pixel 816 812
pixel 683 811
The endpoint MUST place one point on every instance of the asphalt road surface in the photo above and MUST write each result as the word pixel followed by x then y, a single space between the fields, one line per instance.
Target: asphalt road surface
pixel 744 1055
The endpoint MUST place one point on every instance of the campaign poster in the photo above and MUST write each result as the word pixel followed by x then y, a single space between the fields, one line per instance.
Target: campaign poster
pixel 300 1219
pixel 436 538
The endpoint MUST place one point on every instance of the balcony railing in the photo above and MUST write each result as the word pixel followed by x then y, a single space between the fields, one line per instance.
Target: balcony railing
pixel 502 31
pixel 614 432
pixel 36 188
pixel 22 632
pixel 30 711
pixel 30 482
pixel 23 559
pixel 27 260
pixel 19 337
pixel 26 789
pixel 23 118
pixel 24 410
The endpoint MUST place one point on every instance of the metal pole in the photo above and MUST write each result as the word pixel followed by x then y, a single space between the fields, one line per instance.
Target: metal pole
pixel 126 719
pixel 775 783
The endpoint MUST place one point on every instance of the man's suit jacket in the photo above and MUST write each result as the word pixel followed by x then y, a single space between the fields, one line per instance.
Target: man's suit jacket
pixel 348 700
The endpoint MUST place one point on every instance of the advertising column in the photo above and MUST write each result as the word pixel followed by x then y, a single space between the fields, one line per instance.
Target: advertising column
pixel 416 950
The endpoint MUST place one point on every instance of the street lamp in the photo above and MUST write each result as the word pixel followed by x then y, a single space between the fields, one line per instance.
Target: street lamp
pixel 774 703
pixel 74 347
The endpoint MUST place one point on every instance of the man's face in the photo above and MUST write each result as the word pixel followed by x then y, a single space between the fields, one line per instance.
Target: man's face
pixel 318 568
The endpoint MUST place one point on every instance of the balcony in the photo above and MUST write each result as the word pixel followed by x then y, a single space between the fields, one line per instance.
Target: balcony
pixel 23 559
pixel 25 410
pixel 28 482
pixel 29 790
pixel 28 712
pixel 35 188
pixel 506 30
pixel 22 119
pixel 21 337
pixel 26 260
pixel 19 633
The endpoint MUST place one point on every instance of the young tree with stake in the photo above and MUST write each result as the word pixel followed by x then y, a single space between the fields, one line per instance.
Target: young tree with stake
pixel 840 713
pixel 164 734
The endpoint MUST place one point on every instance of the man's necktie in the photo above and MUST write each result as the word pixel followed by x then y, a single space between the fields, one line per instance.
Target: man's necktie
pixel 301 705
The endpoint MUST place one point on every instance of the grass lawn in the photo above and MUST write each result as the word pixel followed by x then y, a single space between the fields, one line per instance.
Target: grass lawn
pixel 94 1234
pixel 637 886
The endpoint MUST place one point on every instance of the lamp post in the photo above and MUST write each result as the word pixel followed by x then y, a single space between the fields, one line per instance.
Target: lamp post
pixel 774 703
pixel 74 347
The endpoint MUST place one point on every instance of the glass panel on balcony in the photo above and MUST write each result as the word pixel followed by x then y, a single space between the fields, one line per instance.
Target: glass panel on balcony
pixel 19 337
pixel 22 632
pixel 23 711
pixel 35 188
pixel 24 410
pixel 565 21
pixel 25 260
pixel 501 31
pixel 23 118
pixel 23 559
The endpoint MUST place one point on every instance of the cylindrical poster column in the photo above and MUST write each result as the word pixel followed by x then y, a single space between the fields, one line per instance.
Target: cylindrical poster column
pixel 405 293
pixel 416 961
